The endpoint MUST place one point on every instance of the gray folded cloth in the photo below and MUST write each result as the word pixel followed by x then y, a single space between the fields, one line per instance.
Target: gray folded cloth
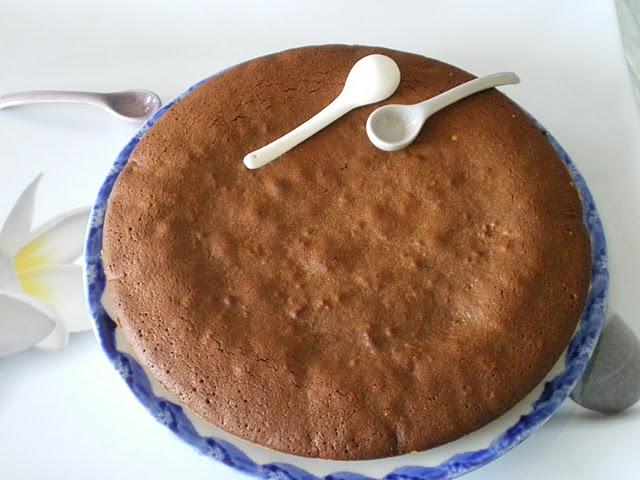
pixel 611 382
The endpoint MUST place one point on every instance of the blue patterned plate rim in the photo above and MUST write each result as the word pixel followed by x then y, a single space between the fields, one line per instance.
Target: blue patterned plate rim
pixel 555 391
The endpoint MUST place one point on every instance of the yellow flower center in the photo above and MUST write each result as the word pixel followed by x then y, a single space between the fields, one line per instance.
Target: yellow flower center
pixel 32 256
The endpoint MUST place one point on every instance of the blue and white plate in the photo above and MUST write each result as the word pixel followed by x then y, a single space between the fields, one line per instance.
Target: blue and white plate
pixel 448 461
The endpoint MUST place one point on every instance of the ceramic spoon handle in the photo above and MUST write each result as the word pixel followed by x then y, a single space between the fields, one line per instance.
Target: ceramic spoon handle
pixel 445 99
pixel 270 152
pixel 48 96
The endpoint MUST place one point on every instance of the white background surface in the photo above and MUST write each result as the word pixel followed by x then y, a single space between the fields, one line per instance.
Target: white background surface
pixel 67 415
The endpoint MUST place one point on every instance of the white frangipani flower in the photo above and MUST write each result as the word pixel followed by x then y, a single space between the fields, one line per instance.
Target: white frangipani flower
pixel 41 294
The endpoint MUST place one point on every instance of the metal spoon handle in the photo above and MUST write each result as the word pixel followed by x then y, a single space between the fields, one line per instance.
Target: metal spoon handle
pixel 445 99
pixel 49 96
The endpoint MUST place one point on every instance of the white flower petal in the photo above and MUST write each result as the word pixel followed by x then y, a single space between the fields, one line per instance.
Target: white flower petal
pixel 58 241
pixel 61 287
pixel 15 231
pixel 56 340
pixel 8 280
pixel 23 322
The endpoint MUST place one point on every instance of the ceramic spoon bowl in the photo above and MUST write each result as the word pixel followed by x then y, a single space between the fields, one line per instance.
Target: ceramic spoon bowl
pixel 131 105
pixel 394 127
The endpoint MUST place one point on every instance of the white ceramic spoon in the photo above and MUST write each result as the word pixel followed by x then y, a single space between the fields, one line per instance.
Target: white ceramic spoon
pixel 132 105
pixel 372 79
pixel 393 127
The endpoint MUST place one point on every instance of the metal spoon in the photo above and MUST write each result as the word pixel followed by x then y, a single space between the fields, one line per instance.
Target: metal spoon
pixel 132 105
pixel 371 79
pixel 394 127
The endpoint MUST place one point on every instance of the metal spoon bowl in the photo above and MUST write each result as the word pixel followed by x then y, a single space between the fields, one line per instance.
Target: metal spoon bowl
pixel 130 105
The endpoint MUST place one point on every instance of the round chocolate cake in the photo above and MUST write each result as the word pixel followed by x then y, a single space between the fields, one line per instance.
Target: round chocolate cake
pixel 344 302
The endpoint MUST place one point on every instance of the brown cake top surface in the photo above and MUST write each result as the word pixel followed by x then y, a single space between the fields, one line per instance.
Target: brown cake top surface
pixel 345 302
